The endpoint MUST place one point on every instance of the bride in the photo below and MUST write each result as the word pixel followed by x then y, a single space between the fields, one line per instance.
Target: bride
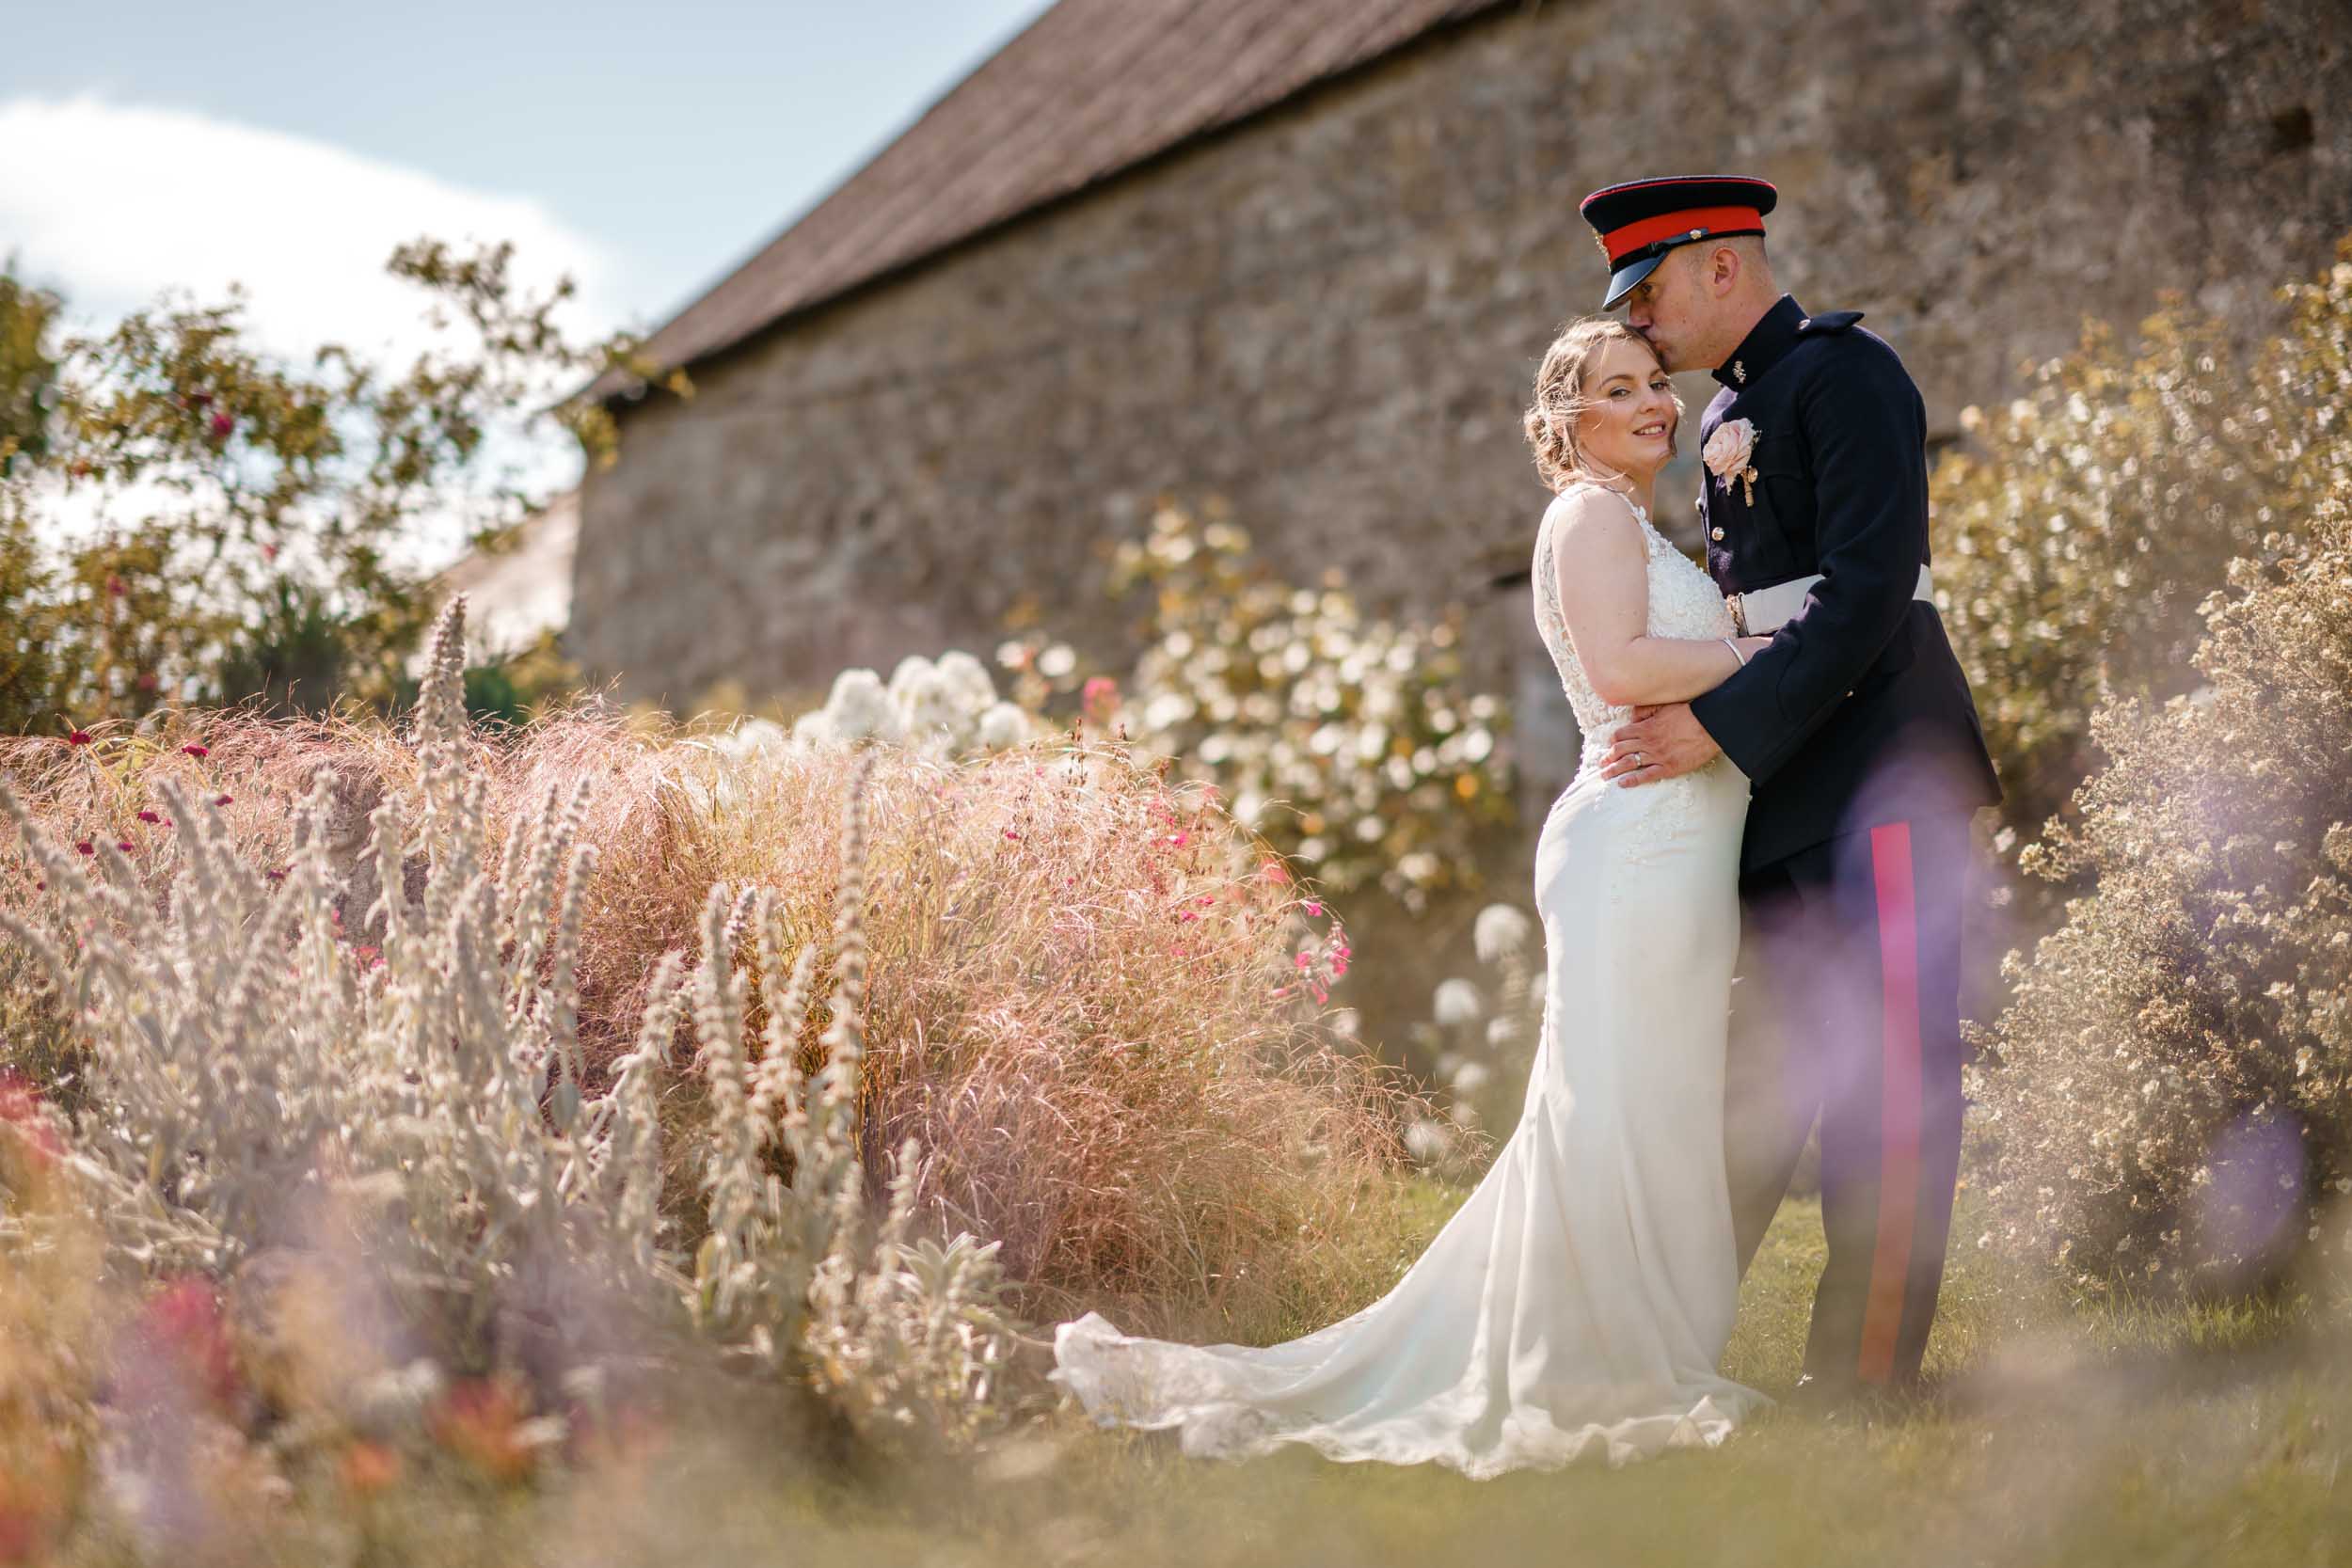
pixel 1575 1305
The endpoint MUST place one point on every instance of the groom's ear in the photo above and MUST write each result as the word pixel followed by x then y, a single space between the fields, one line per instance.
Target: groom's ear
pixel 1722 270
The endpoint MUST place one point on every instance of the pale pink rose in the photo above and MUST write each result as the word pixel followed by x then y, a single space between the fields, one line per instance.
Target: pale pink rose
pixel 1729 447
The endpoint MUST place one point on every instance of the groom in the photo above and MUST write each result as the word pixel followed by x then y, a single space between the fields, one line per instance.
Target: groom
pixel 1861 745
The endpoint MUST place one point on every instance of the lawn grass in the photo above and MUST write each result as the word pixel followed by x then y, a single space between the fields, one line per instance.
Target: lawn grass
pixel 2056 1431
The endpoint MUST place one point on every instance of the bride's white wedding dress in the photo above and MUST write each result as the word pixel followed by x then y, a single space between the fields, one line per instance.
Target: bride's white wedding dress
pixel 1575 1305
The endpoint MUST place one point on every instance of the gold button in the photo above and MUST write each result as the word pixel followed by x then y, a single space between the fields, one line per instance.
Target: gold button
pixel 1718 533
pixel 1805 326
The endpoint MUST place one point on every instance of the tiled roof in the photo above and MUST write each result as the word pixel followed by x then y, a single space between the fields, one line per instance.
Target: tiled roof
pixel 1089 88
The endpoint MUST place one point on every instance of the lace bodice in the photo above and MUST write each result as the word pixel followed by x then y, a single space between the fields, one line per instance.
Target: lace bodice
pixel 1683 602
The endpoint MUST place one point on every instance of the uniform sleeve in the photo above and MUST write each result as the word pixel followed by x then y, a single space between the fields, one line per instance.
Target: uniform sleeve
pixel 1864 422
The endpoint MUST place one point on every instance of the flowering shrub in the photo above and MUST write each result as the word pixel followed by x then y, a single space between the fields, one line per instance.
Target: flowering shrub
pixel 1349 743
pixel 1092 1005
pixel 2168 1100
pixel 2075 542
pixel 1481 1047
pixel 427 1098
pixel 942 710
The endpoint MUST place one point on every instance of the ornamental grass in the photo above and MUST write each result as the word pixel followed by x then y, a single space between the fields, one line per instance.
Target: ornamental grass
pixel 1099 1009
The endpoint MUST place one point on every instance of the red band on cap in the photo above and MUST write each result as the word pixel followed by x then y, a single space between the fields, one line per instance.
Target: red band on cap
pixel 1633 236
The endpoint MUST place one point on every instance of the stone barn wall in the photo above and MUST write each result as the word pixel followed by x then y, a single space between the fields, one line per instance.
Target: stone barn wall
pixel 1330 315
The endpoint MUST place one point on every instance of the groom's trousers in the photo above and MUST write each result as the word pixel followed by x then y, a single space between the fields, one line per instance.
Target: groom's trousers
pixel 1848 1009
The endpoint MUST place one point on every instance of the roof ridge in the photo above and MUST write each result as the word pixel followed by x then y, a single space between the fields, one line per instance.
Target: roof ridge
pixel 1009 138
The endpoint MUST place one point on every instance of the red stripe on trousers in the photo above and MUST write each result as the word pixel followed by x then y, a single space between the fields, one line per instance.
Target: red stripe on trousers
pixel 1900 1110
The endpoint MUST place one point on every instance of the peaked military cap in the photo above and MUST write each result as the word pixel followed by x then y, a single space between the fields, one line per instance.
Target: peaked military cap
pixel 1638 222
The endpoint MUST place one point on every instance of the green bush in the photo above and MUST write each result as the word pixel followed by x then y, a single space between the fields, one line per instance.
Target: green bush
pixel 247 508
pixel 2168 1098
pixel 1351 743
pixel 2075 538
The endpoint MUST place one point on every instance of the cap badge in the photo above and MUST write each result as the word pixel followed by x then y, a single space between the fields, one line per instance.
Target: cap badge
pixel 1738 373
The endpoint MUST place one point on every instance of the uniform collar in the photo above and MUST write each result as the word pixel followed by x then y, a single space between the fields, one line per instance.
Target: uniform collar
pixel 1774 335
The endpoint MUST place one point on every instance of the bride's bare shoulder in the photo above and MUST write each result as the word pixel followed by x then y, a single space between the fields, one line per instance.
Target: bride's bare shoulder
pixel 1588 517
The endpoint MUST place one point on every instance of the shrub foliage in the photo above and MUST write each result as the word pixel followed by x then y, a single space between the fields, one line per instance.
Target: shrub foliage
pixel 2168 1098
pixel 2076 537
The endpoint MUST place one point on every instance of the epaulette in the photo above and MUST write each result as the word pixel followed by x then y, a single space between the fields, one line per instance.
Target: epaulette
pixel 1829 321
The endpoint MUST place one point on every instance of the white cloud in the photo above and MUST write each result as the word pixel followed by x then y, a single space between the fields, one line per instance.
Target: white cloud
pixel 111 204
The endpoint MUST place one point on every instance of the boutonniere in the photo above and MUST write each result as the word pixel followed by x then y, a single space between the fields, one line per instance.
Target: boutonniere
pixel 1728 452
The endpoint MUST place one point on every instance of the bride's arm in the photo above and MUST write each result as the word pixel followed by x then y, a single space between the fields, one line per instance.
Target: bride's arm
pixel 1602 565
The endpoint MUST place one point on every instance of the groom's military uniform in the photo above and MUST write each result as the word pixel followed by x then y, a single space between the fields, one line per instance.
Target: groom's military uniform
pixel 1865 758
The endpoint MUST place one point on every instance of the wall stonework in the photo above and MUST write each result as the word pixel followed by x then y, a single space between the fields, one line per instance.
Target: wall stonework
pixel 1330 315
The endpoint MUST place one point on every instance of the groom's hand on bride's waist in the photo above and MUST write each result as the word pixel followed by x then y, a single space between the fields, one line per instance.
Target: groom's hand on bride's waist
pixel 1660 743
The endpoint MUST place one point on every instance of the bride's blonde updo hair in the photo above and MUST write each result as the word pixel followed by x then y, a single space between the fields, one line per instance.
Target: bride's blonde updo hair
pixel 1560 400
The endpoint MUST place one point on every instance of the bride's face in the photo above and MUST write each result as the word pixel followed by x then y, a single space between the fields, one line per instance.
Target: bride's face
pixel 1629 425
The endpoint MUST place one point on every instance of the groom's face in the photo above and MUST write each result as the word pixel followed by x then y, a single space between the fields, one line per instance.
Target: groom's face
pixel 1669 309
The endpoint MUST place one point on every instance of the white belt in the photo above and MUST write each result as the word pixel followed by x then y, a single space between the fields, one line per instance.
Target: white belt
pixel 1763 609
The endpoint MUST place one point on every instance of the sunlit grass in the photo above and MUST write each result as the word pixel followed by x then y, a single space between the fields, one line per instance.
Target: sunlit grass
pixel 2058 1430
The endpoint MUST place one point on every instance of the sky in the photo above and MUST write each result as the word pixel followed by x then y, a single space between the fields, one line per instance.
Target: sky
pixel 647 149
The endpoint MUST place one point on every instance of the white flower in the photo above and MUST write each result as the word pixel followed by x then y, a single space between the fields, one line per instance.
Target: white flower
pixel 1457 1001
pixel 912 671
pixel 1003 726
pixel 1471 1077
pixel 1501 928
pixel 968 678
pixel 861 706
pixel 1428 1141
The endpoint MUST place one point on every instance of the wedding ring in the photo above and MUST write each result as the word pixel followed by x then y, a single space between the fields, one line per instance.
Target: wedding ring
pixel 1637 759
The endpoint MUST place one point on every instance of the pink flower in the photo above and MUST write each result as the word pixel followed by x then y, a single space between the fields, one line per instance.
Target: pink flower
pixel 1302 960
pixel 20 1109
pixel 197 751
pixel 183 1325
pixel 150 816
pixel 124 844
pixel 115 587
pixel 1728 449
pixel 1177 840
pixel 1011 834
pixel 85 846
pixel 276 875
pixel 1313 908
pixel 1728 452
pixel 77 738
pixel 222 425
pixel 1188 914
pixel 222 800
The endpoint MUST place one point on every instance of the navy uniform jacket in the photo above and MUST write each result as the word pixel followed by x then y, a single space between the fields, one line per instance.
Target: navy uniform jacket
pixel 1857 713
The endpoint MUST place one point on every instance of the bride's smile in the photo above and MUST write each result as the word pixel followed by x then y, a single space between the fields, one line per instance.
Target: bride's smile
pixel 1630 417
